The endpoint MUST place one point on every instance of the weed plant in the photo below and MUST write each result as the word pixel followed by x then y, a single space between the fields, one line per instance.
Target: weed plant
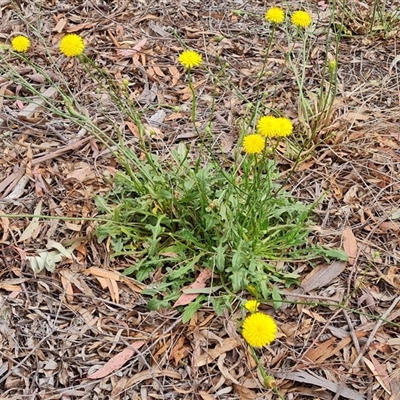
pixel 174 215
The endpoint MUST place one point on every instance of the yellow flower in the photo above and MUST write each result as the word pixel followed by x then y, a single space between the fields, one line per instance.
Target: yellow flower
pixel 251 305
pixel 72 45
pixel 275 15
pixel 190 59
pixel 285 126
pixel 259 329
pixel 268 126
pixel 253 144
pixel 301 19
pixel 20 44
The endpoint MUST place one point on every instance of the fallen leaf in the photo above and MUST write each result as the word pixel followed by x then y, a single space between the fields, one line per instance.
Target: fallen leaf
pixel 117 361
pixel 205 396
pixel 200 282
pixel 313 379
pixel 151 374
pixel 179 351
pixel 322 275
pixel 31 229
pixel 107 279
pixel 37 102
pixel 352 116
pixel 245 393
pixel 349 244
pixel 210 355
pixel 379 372
pixel 320 351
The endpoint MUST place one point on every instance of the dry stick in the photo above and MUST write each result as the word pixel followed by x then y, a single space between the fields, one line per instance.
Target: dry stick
pixel 307 296
pixel 54 154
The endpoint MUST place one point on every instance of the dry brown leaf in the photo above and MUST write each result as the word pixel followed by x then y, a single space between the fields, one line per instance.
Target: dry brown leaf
pixel 224 370
pixel 395 383
pixel 205 396
pixel 314 315
pixel 68 289
pixel 179 351
pixel 200 282
pixel 210 355
pixel 4 224
pixel 126 53
pixel 322 275
pixel 81 174
pixel 352 116
pixel 327 350
pixel 391 277
pixel 9 287
pixel 379 372
pixel 60 25
pixel 187 92
pixel 313 379
pixel 107 279
pixel 245 393
pixel 37 102
pixel 104 273
pixel 113 289
pixel 320 352
pixel 136 287
pixel 133 128
pixel 349 244
pixel 79 27
pixel 32 230
pixel 117 361
pixel 175 75
pixel 10 182
pixel 151 374
pixel 176 115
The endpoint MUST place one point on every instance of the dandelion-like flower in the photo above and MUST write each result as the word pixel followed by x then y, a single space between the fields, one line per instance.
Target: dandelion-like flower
pixel 301 19
pixel 268 126
pixel 190 59
pixel 259 329
pixel 72 45
pixel 20 44
pixel 251 305
pixel 275 15
pixel 253 144
pixel 285 126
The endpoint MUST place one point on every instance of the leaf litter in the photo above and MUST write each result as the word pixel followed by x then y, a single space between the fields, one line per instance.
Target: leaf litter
pixel 80 318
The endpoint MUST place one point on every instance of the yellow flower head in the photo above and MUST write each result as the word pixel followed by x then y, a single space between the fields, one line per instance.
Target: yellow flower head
pixel 251 305
pixel 285 126
pixel 253 144
pixel 190 59
pixel 275 15
pixel 259 329
pixel 301 19
pixel 72 45
pixel 20 44
pixel 268 126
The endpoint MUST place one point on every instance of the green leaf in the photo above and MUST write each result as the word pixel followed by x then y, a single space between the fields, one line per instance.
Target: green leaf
pixel 191 309
pixel 276 296
pixel 220 258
